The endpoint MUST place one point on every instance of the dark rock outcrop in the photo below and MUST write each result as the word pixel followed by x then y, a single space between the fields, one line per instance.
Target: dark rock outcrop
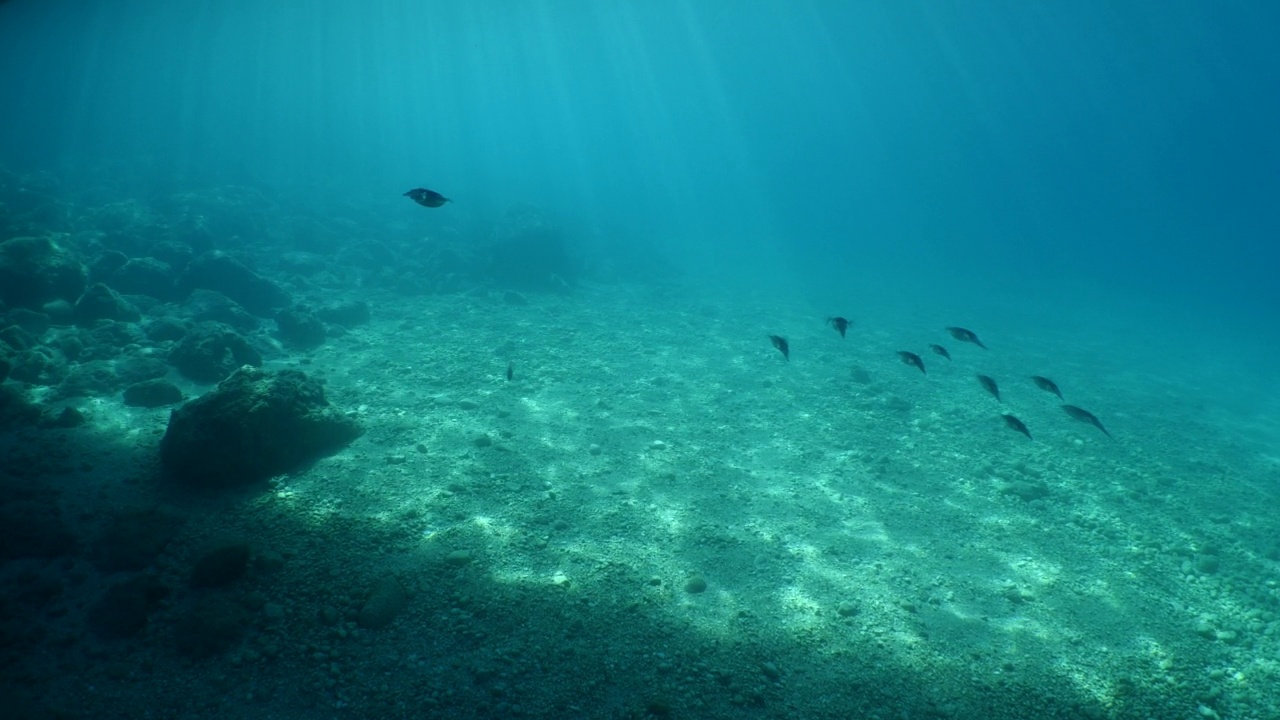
pixel 211 352
pixel 256 424
pixel 35 270
pixel 100 302
pixel 223 273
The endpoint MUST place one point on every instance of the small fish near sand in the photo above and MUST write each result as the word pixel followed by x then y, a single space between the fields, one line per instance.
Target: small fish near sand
pixel 780 343
pixel 912 359
pixel 1047 385
pixel 1086 417
pixel 964 335
pixel 511 370
pixel 939 350
pixel 839 323
pixel 427 198
pixel 989 384
pixel 1016 424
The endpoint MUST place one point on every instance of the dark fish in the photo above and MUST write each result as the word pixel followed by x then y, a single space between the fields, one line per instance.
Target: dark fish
pixel 427 198
pixel 1047 385
pixel 990 386
pixel 511 370
pixel 1085 416
pixel 1016 424
pixel 912 359
pixel 781 343
pixel 839 323
pixel 939 350
pixel 963 335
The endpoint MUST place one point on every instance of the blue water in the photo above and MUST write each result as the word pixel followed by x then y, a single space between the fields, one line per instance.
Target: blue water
pixel 1094 185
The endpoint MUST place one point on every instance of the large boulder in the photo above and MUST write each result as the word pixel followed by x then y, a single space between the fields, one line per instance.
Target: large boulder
pixel 223 273
pixel 211 351
pixel 35 270
pixel 255 425
pixel 146 276
pixel 100 302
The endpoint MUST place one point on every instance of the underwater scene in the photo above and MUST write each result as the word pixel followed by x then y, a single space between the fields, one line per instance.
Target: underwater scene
pixel 891 360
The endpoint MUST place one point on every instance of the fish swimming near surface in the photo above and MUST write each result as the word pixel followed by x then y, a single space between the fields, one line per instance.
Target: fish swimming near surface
pixel 1047 385
pixel 511 370
pixel 427 198
pixel 963 335
pixel 990 386
pixel 939 350
pixel 839 323
pixel 1016 424
pixel 781 343
pixel 1085 416
pixel 912 359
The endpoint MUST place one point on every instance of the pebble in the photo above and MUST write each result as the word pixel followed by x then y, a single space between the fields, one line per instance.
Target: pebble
pixel 695 585
pixel 657 445
pixel 468 404
pixel 273 611
pixel 847 609
pixel 483 441
pixel 458 557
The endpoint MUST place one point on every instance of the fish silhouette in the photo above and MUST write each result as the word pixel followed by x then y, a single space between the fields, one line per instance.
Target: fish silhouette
pixel 990 386
pixel 1016 424
pixel 1085 416
pixel 963 335
pixel 939 350
pixel 511 370
pixel 781 343
pixel 427 198
pixel 839 323
pixel 1047 385
pixel 912 359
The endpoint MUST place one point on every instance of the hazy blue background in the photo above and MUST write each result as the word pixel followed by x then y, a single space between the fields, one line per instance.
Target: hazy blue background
pixel 1064 157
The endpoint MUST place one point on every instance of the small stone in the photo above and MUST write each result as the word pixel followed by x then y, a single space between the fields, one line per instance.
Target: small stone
pixel 593 449
pixel 468 404
pixel 386 601
pixel 695 585
pixel 273 611
pixel 657 445
pixel 771 671
pixel 482 441
pixel 1207 564
pixel 458 557
pixel 847 609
